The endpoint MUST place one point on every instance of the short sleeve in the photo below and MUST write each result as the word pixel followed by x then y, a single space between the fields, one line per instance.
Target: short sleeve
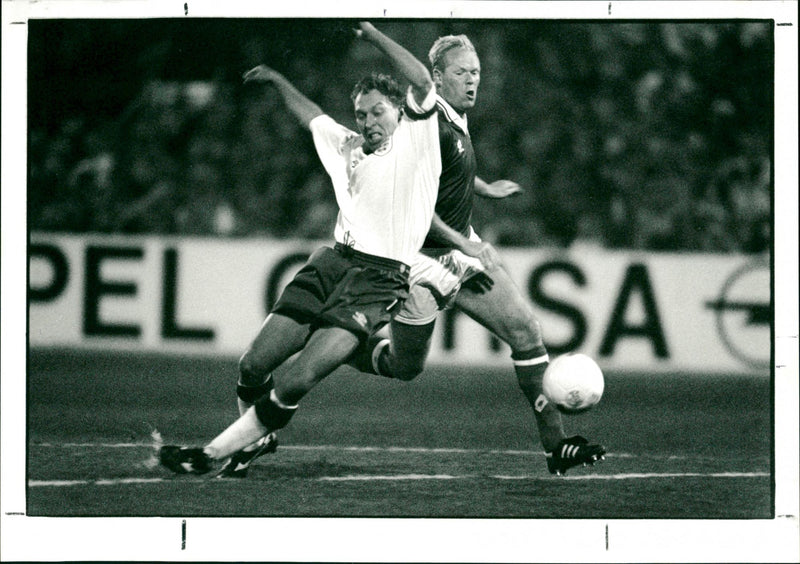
pixel 329 141
pixel 424 110
pixel 423 130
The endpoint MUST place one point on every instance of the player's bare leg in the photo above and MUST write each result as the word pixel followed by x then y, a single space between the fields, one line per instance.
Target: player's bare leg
pixel 401 356
pixel 257 361
pixel 503 311
pixel 265 354
pixel 326 350
pixel 278 339
pixel 404 358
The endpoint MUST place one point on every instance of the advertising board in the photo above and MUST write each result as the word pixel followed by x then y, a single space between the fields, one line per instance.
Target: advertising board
pixel 629 310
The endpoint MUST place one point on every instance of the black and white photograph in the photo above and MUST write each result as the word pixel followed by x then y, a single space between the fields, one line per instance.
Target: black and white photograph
pixel 470 281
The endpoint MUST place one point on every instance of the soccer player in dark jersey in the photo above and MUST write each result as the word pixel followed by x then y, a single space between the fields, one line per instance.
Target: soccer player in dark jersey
pixel 491 297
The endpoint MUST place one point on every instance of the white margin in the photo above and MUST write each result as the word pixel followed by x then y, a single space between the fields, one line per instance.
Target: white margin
pixel 514 540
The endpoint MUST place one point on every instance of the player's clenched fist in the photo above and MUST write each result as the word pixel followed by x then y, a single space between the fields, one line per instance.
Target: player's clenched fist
pixel 261 73
pixel 364 28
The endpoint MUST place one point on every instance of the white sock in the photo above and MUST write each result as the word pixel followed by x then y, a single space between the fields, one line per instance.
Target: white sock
pixel 243 432
pixel 243 406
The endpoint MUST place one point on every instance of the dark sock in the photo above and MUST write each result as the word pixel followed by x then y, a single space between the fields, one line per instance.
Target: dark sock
pixel 272 413
pixel 530 366
pixel 246 396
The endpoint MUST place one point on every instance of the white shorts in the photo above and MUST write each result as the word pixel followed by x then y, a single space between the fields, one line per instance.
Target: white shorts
pixel 435 279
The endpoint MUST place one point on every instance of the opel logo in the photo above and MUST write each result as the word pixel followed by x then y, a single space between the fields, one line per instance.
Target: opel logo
pixel 744 314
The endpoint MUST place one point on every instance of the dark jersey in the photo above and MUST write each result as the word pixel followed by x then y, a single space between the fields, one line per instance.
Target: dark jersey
pixel 457 180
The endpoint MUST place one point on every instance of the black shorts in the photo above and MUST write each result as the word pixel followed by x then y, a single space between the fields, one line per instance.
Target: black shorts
pixel 344 288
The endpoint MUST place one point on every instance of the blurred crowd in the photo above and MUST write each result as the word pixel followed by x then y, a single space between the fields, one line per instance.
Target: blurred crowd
pixel 630 135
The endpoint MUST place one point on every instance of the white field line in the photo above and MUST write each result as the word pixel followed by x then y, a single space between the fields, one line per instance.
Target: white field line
pixel 99 482
pixel 339 448
pixel 399 477
pixel 420 477
pixel 632 476
pixel 309 447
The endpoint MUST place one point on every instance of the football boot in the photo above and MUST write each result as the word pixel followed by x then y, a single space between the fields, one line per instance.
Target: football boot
pixel 238 464
pixel 573 451
pixel 184 460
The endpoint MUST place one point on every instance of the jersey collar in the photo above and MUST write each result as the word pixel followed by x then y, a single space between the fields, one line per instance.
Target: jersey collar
pixel 452 115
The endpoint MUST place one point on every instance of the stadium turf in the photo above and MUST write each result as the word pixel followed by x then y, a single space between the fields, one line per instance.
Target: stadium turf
pixel 456 442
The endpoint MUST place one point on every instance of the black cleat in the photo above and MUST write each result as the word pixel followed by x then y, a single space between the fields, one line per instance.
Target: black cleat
pixel 238 464
pixel 573 452
pixel 184 460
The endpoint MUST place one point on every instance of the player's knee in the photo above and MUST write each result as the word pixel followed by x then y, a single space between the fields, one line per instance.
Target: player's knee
pixel 250 374
pixel 524 332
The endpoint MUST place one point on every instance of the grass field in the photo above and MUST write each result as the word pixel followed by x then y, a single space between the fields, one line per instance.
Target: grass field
pixel 453 443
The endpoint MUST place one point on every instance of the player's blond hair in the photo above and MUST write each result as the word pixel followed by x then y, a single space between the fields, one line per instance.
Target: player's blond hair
pixel 444 44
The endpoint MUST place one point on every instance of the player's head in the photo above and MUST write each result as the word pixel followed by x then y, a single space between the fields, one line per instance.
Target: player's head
pixel 378 104
pixel 456 70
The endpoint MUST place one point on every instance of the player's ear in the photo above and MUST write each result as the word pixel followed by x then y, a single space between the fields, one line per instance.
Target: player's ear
pixel 437 77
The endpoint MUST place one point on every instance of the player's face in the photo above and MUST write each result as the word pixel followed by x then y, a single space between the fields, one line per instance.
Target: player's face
pixel 458 82
pixel 376 118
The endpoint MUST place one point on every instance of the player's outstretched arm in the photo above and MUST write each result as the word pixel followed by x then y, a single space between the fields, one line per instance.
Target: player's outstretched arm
pixel 406 64
pixel 483 251
pixel 304 109
pixel 496 189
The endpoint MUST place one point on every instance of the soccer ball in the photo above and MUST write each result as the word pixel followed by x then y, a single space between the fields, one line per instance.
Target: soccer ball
pixel 573 382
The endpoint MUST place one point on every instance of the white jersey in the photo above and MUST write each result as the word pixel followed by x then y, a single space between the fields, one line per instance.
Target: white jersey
pixel 386 198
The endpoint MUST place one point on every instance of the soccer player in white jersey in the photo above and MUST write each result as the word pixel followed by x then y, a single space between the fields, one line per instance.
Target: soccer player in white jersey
pixel 490 297
pixel 385 177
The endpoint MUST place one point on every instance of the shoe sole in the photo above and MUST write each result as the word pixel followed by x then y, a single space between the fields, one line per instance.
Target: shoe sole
pixel 591 461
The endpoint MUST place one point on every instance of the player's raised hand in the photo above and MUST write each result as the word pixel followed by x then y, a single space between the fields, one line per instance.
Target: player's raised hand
pixel 501 189
pixel 296 102
pixel 363 29
pixel 261 73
